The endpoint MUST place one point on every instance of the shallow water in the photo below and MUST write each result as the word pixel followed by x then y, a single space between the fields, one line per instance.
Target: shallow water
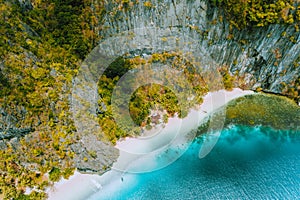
pixel 246 163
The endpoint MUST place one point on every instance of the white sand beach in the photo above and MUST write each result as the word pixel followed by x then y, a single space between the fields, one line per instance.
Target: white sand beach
pixel 135 152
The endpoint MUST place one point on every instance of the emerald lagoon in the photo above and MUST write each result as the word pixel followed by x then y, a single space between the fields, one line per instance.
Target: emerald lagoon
pixel 246 163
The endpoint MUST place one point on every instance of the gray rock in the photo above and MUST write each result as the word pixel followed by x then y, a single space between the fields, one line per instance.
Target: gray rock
pixel 94 156
pixel 265 56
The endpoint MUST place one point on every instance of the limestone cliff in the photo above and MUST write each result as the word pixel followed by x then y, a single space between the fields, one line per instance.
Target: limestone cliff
pixel 267 57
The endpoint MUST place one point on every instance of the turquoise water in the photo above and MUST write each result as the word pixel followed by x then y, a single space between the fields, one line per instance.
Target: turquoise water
pixel 246 163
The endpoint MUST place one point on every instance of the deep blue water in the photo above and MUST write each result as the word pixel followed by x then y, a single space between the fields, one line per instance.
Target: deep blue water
pixel 246 163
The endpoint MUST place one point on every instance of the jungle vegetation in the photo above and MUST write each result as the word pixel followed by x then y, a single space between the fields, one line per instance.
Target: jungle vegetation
pixel 258 13
pixel 42 45
pixel 41 48
pixel 174 100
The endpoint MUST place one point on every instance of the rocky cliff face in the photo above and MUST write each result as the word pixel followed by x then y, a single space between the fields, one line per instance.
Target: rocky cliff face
pixel 267 57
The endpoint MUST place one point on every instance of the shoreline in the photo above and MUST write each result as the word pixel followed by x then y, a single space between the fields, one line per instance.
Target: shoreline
pixel 135 152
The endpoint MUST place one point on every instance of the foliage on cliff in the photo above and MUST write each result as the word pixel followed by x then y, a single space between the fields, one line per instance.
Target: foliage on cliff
pixel 259 13
pixel 158 97
pixel 41 47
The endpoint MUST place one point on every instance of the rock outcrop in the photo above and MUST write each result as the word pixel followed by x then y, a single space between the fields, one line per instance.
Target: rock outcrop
pixel 8 125
pixel 94 156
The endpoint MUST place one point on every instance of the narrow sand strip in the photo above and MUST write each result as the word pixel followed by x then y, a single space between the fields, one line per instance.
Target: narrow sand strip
pixel 139 154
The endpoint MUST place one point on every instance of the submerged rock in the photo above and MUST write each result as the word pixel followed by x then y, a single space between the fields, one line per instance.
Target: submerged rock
pixel 261 110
